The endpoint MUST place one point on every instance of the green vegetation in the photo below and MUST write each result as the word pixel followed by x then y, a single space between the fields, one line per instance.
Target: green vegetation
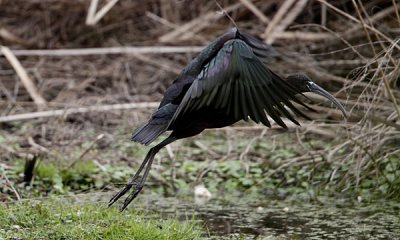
pixel 278 169
pixel 273 167
pixel 62 220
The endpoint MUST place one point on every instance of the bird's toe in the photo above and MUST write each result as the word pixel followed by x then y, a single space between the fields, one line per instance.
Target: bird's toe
pixel 119 194
pixel 132 196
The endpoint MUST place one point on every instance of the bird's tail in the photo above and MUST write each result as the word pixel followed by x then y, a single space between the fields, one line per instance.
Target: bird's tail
pixel 149 132
pixel 157 125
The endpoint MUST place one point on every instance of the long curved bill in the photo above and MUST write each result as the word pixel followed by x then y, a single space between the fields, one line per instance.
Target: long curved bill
pixel 320 91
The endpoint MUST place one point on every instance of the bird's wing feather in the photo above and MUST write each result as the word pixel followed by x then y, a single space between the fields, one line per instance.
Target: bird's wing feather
pixel 263 51
pixel 237 82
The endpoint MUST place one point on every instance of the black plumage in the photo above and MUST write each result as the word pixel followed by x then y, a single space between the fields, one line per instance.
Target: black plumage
pixel 227 82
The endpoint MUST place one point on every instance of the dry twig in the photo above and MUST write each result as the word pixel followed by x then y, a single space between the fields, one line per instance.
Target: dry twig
pixel 7 35
pixel 103 51
pixel 93 17
pixel 248 4
pixel 12 187
pixel 376 31
pixel 26 80
pixel 283 19
pixel 65 112
pixel 278 17
pixel 189 29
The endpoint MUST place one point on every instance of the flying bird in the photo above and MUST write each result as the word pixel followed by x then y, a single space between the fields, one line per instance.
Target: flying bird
pixel 226 82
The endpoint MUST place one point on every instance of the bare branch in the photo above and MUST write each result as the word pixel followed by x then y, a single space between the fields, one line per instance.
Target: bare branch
pixel 25 79
pixel 102 51
pixel 65 112
pixel 286 21
pixel 358 21
pixel 278 17
pixel 255 11
pixel 188 30
pixel 92 17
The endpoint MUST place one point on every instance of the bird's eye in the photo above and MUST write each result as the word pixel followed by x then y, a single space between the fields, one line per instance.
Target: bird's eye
pixel 310 85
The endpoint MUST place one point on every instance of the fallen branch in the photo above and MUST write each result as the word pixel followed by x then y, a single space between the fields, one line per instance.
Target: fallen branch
pixel 25 79
pixel 102 51
pixel 64 112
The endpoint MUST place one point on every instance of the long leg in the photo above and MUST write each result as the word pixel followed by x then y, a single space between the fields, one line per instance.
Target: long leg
pixel 131 182
pixel 146 163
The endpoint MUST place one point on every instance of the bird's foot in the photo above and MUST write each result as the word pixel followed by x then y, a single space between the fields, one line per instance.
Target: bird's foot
pixel 132 196
pixel 124 190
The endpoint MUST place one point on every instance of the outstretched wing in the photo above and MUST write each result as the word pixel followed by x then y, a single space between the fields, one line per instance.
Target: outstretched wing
pixel 263 51
pixel 237 82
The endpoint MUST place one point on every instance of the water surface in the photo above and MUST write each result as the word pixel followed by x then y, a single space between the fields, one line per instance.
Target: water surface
pixel 251 217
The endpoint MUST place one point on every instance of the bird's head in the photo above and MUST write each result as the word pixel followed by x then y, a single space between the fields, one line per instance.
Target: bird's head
pixel 302 84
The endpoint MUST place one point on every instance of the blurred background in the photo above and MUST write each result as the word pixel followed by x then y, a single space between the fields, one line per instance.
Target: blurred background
pixel 76 77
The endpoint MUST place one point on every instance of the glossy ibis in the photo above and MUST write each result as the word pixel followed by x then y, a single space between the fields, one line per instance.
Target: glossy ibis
pixel 227 82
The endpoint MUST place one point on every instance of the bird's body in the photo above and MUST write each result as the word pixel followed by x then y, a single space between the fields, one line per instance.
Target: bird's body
pixel 220 75
pixel 227 82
